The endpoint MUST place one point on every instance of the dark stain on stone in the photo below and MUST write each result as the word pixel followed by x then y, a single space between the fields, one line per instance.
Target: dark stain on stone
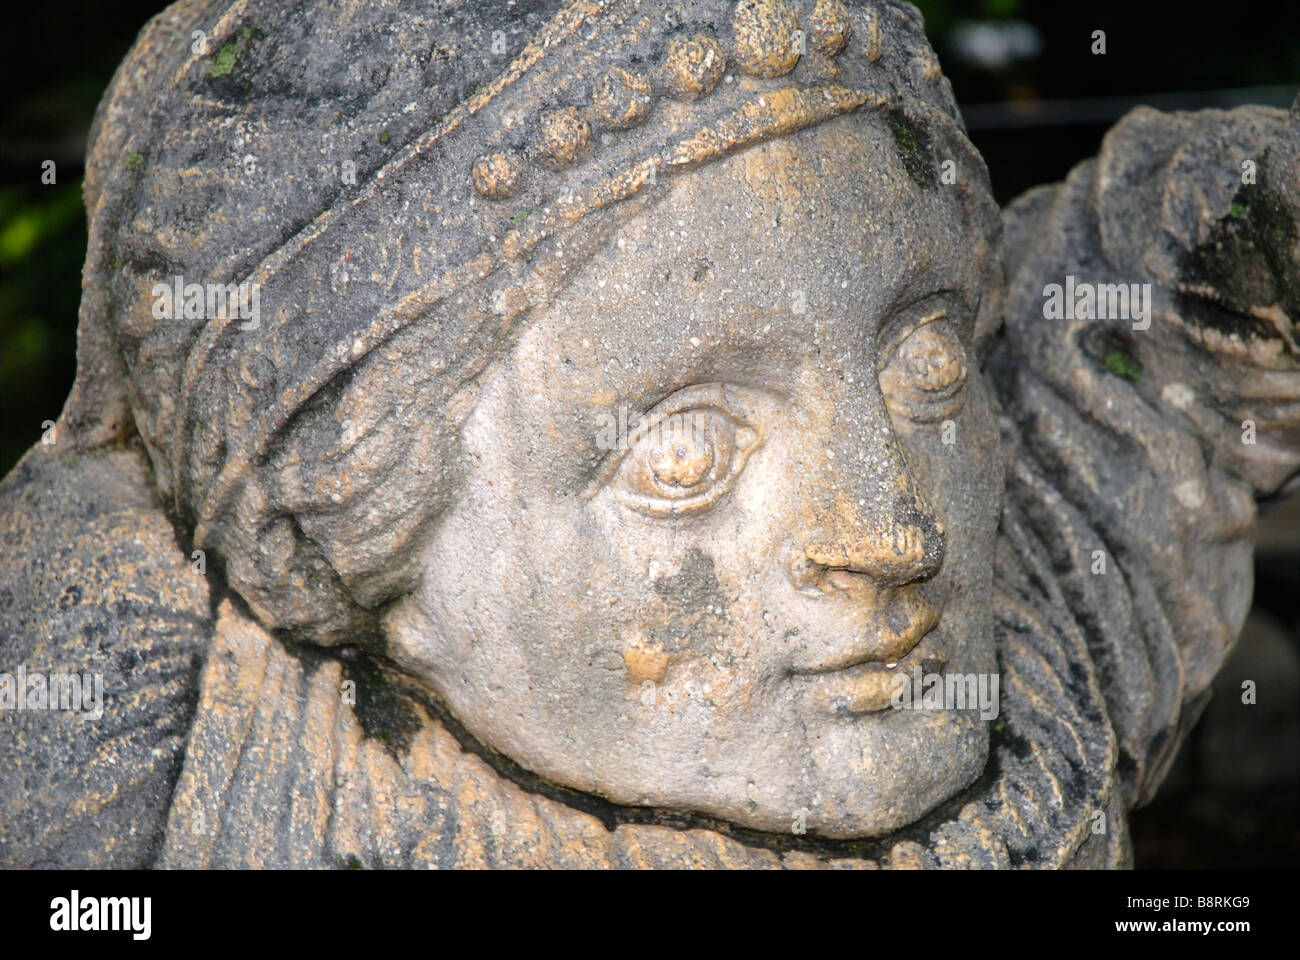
pixel 694 603
pixel 384 712
pixel 1247 261
pixel 1022 855
pixel 693 591
pixel 913 145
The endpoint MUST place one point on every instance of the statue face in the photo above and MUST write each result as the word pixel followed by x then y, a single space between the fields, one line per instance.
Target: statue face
pixel 709 614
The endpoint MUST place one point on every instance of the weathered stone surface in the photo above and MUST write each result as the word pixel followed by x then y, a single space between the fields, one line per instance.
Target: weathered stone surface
pixel 92 582
pixel 1162 409
pixel 575 644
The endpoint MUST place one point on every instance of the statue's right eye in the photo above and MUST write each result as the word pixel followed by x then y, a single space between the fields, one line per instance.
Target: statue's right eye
pixel 682 462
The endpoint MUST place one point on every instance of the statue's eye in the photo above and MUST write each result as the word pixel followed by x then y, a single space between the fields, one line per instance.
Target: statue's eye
pixel 924 372
pixel 682 462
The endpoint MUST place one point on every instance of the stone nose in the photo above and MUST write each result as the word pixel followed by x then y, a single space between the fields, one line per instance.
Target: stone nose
pixel 898 544
pixel 868 516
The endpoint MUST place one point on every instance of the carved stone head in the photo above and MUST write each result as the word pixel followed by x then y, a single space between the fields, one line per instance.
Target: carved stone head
pixel 613 399
pixel 711 506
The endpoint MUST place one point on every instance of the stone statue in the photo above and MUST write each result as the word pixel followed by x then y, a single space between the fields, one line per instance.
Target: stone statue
pixel 640 410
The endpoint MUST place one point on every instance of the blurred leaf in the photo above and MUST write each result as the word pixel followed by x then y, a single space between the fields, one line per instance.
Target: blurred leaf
pixel 24 226
pixel 1001 9
pixel 42 245
pixel 19 235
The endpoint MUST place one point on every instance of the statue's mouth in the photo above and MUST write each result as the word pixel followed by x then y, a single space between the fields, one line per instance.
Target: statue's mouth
pixel 882 647
pixel 863 682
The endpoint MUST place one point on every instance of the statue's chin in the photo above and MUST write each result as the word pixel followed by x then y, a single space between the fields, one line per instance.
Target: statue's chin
pixel 865 778
pixel 779 755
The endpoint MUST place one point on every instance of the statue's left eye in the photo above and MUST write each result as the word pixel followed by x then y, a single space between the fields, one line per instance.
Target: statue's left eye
pixel 923 375
pixel 682 462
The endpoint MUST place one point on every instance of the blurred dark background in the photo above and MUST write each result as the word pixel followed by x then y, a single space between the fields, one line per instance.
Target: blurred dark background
pixel 1036 101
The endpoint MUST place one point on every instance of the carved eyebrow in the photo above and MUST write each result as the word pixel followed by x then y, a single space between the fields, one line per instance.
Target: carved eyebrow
pixel 925 309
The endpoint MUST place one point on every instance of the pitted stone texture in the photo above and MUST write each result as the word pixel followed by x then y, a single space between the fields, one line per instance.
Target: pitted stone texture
pixel 92 582
pixel 874 37
pixel 764 35
pixel 829 27
pixel 623 99
pixel 693 66
pixel 926 68
pixel 563 136
pixel 1096 407
pixel 497 176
